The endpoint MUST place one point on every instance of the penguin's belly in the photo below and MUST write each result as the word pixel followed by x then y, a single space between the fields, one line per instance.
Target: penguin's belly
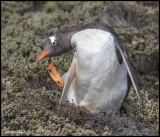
pixel 100 81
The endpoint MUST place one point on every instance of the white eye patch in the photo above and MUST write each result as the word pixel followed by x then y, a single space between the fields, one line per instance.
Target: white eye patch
pixel 52 38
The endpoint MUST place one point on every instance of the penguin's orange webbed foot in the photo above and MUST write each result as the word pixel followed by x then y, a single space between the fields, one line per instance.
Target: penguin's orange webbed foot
pixel 54 74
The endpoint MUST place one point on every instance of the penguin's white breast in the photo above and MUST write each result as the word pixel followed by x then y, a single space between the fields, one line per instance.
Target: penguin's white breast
pixel 94 48
pixel 95 69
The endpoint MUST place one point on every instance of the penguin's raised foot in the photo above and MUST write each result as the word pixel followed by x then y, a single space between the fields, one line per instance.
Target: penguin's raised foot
pixel 54 74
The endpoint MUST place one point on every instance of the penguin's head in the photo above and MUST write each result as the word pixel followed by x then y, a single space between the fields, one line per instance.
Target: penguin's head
pixel 55 45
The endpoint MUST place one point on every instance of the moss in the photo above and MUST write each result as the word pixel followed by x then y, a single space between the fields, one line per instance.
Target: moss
pixel 155 92
pixel 148 114
pixel 51 7
pixel 33 121
pixel 59 6
pixel 106 132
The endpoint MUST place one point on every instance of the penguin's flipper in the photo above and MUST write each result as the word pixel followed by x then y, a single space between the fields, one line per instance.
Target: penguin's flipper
pixel 130 70
pixel 69 78
pixel 64 76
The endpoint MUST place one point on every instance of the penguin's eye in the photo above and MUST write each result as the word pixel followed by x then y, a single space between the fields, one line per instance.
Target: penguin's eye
pixel 54 43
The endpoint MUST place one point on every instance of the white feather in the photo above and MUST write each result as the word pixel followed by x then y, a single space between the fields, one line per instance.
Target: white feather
pixel 100 80
pixel 52 38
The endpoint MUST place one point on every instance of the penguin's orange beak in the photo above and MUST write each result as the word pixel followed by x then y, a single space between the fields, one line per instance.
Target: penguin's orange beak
pixel 43 54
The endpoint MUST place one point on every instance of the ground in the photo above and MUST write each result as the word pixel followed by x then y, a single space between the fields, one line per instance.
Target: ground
pixel 29 97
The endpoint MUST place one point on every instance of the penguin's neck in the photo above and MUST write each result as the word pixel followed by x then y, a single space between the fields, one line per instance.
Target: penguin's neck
pixel 65 37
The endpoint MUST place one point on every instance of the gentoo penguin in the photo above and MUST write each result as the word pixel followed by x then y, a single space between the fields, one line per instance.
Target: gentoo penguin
pixel 100 73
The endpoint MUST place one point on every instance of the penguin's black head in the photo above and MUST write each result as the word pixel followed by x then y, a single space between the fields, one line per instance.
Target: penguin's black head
pixel 55 46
